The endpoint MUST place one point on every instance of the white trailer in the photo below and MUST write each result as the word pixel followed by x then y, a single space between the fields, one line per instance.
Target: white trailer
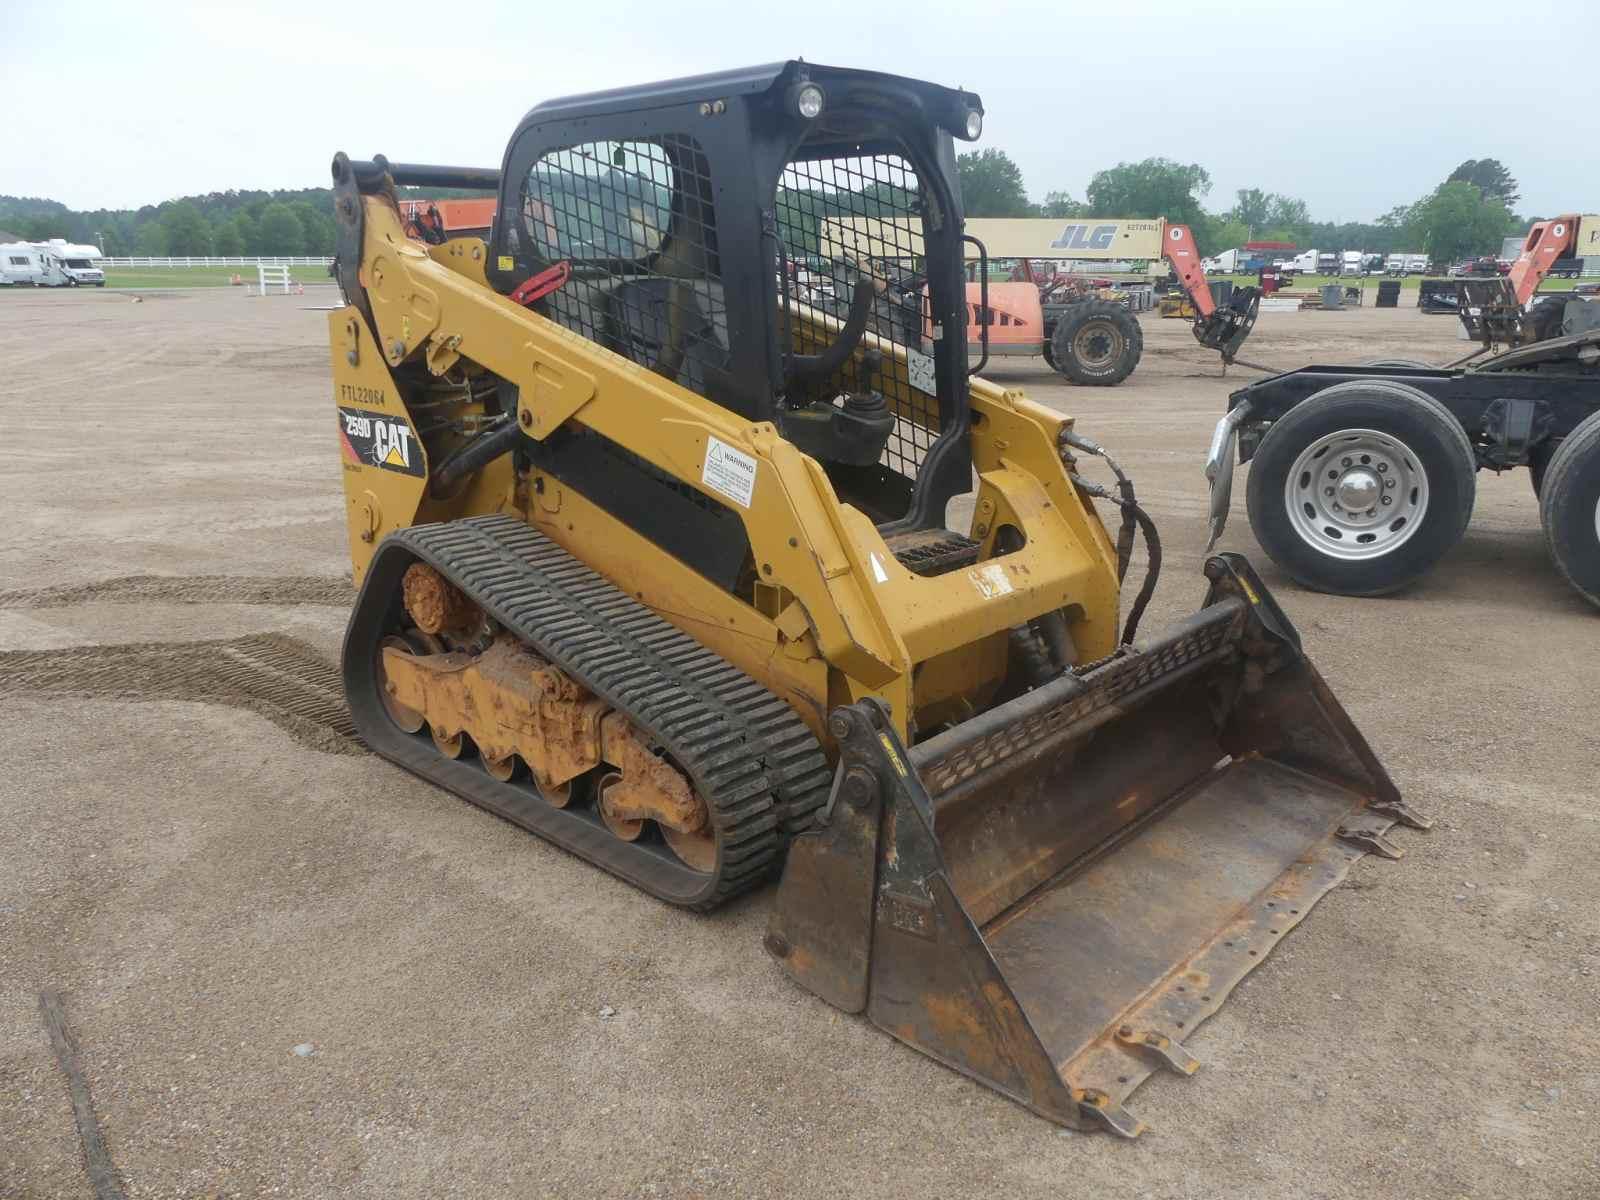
pixel 1225 263
pixel 26 263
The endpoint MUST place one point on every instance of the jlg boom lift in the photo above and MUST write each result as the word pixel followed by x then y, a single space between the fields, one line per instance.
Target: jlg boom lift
pixel 654 562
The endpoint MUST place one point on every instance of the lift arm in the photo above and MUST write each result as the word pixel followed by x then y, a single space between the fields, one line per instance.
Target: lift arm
pixel 1222 329
pixel 1546 242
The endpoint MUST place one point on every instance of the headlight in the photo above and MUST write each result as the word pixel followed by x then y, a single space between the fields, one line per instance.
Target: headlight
pixel 974 125
pixel 808 101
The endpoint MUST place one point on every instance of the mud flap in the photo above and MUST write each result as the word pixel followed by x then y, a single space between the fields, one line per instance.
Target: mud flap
pixel 1052 896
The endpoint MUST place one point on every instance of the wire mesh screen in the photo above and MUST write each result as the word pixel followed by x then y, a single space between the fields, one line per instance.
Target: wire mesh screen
pixel 635 220
pixel 853 218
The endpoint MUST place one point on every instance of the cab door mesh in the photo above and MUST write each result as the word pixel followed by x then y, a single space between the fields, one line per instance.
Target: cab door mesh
pixel 847 218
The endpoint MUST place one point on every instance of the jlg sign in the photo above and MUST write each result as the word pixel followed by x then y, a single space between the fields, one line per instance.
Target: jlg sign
pixel 1085 237
pixel 1095 240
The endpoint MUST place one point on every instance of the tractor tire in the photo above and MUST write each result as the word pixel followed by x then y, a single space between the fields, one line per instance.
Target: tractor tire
pixel 1569 508
pixel 1361 489
pixel 1398 362
pixel 1096 343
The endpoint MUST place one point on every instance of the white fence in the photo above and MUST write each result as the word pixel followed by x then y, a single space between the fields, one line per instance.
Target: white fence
pixel 273 277
pixel 249 260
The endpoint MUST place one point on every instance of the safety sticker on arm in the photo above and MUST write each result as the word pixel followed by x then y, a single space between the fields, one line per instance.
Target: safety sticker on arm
pixel 729 472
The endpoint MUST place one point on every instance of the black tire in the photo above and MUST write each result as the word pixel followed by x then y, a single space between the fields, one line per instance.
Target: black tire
pixel 1097 343
pixel 1423 426
pixel 1049 350
pixel 1569 508
pixel 1398 362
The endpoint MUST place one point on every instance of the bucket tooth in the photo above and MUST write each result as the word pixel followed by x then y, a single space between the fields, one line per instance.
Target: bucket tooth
pixel 1100 1109
pixel 1051 895
pixel 1401 813
pixel 1371 841
pixel 1160 1047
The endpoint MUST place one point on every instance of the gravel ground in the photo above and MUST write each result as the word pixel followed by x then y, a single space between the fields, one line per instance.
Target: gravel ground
pixel 208 893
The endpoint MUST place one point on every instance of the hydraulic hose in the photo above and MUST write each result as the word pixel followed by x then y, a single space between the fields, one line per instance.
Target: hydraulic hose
pixel 1125 532
pixel 473 456
pixel 1152 543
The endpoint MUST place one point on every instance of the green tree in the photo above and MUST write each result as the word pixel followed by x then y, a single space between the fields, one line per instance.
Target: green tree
pixel 1490 177
pixel 1156 187
pixel 319 228
pixel 1062 205
pixel 1287 214
pixel 281 233
pixel 42 229
pixel 1252 207
pixel 991 185
pixel 225 240
pixel 245 230
pixel 1458 220
pixel 187 230
pixel 151 239
pixel 1225 233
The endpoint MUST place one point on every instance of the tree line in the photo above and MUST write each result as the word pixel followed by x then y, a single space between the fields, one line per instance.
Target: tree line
pixel 274 223
pixel 1469 213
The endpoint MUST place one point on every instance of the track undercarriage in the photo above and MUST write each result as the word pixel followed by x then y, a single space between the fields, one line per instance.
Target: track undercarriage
pixel 594 723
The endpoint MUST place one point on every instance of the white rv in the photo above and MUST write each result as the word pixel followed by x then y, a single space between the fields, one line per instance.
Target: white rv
pixel 74 265
pixel 21 263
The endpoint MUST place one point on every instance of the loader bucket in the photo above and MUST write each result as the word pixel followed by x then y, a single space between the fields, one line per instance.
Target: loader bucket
pixel 1051 896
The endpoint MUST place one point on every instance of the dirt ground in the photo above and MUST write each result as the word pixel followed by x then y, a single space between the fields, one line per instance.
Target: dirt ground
pixel 210 889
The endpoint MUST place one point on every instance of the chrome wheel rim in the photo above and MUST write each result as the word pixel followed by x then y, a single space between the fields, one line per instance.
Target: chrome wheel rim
pixel 1357 494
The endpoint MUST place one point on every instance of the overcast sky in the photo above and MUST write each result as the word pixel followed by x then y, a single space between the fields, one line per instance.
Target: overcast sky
pixel 1354 107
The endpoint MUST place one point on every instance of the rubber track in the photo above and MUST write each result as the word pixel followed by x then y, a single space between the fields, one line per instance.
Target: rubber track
pixel 747 752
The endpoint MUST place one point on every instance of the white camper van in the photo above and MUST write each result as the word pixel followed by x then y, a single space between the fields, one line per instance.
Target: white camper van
pixel 21 263
pixel 74 265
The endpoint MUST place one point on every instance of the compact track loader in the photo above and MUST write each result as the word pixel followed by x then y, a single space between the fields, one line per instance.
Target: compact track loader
pixel 654 560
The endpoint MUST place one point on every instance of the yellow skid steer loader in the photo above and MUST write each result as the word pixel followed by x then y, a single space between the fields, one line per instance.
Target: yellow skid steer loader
pixel 648 501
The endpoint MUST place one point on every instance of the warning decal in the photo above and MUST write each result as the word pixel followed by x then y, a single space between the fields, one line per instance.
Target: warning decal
pixel 371 439
pixel 990 580
pixel 730 472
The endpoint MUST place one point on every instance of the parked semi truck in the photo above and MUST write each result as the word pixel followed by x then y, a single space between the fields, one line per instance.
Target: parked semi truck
pixel 1363 477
